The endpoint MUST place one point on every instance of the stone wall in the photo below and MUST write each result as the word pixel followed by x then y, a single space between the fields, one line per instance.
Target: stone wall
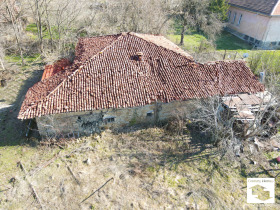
pixel 86 123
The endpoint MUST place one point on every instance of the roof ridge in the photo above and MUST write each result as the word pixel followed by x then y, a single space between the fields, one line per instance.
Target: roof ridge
pixel 138 35
pixel 77 70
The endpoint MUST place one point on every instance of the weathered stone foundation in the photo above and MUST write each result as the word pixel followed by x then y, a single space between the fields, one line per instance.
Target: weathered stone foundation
pixel 89 122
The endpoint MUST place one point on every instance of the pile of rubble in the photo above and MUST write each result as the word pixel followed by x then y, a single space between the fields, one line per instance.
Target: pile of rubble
pixel 245 106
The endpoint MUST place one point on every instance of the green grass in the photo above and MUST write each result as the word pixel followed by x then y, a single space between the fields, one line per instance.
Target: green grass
pixel 32 28
pixel 225 41
pixel 191 42
pixel 227 46
pixel 28 60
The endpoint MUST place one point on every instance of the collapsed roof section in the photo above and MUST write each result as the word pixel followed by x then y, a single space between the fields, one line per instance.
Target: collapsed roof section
pixel 245 106
pixel 129 70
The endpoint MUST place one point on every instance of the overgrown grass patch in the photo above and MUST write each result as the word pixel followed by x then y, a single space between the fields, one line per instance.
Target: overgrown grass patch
pixel 148 167
pixel 31 28
pixel 54 34
pixel 191 42
pixel 225 41
pixel 28 59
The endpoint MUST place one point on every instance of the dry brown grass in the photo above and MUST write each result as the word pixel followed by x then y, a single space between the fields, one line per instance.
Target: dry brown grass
pixel 150 169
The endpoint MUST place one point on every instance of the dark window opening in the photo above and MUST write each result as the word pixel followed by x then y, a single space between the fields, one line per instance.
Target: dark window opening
pixel 150 113
pixel 229 14
pixel 257 42
pixel 109 119
pixel 234 17
pixel 239 21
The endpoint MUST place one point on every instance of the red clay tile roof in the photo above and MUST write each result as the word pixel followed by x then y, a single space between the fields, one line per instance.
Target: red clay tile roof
pixel 262 6
pixel 58 66
pixel 115 78
pixel 88 47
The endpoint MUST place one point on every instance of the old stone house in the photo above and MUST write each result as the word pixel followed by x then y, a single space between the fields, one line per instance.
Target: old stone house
pixel 256 21
pixel 121 79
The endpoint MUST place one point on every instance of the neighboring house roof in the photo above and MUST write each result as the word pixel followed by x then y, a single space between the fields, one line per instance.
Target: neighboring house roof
pixel 265 7
pixel 107 74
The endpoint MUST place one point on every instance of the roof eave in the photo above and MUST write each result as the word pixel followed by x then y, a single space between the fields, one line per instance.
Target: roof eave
pixel 250 10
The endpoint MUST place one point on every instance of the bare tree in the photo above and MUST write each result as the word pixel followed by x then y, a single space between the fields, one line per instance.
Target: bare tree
pixel 38 12
pixel 195 15
pixel 12 15
pixel 224 127
pixel 65 14
pixel 2 55
pixel 144 16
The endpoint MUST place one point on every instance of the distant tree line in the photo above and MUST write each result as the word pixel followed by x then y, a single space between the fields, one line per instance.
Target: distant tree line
pixel 51 27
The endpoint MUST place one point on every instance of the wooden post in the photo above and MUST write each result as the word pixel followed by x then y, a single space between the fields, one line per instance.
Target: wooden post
pixel 225 55
pixel 2 64
pixel 235 55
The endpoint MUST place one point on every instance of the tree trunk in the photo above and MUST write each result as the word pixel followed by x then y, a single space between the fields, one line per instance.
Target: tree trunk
pixel 48 25
pixel 2 64
pixel 39 25
pixel 182 35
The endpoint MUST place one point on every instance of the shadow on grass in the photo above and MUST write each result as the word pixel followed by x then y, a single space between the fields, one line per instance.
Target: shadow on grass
pixel 165 149
pixel 227 41
pixel 196 148
pixel 12 130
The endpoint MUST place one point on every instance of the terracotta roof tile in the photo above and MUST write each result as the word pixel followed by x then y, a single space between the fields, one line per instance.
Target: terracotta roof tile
pixel 88 47
pixel 58 66
pixel 115 78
